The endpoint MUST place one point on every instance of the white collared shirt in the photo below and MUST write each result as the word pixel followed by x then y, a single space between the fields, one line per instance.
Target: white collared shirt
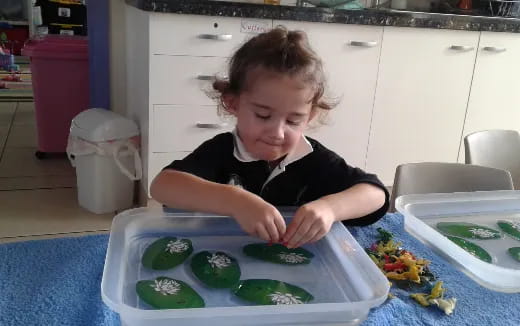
pixel 302 149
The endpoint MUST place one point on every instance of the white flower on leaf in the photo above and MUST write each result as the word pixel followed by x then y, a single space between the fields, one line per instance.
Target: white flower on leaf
pixel 166 287
pixel 515 225
pixel 284 298
pixel 483 233
pixel 292 257
pixel 472 252
pixel 176 246
pixel 219 261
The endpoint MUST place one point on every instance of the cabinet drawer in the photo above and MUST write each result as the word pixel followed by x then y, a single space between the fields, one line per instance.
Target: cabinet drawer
pixel 184 128
pixel 157 162
pixel 201 35
pixel 183 80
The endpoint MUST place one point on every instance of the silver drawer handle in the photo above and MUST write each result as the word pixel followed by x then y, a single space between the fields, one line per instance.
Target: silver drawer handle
pixel 203 125
pixel 462 47
pixel 366 44
pixel 493 49
pixel 218 37
pixel 205 77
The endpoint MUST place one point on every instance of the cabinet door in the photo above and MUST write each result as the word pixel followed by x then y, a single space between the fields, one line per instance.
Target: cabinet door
pixel 494 102
pixel 350 55
pixel 422 92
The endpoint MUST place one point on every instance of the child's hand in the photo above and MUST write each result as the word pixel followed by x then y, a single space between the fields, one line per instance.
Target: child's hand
pixel 259 218
pixel 310 223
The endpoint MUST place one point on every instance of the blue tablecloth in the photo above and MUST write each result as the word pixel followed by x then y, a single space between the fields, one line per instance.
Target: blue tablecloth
pixel 57 282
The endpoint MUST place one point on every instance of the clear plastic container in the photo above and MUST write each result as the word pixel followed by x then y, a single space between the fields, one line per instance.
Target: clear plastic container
pixel 423 212
pixel 344 281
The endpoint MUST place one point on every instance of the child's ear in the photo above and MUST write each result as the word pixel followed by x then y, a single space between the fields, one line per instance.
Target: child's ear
pixel 230 102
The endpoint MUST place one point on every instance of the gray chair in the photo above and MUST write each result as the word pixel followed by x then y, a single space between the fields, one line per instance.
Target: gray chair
pixel 433 177
pixel 497 149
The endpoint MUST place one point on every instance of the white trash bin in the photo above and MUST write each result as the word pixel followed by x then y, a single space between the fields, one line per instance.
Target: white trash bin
pixel 104 148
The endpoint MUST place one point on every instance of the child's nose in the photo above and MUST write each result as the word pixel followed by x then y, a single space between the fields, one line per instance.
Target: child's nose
pixel 276 130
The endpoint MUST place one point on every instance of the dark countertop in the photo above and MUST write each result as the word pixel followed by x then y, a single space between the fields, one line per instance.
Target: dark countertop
pixel 326 15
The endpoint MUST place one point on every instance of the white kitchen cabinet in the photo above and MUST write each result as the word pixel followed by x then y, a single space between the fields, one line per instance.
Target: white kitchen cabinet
pixel 494 101
pixel 403 93
pixel 421 97
pixel 171 60
pixel 350 55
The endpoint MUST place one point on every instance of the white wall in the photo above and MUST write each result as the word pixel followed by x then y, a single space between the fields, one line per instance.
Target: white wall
pixel 118 56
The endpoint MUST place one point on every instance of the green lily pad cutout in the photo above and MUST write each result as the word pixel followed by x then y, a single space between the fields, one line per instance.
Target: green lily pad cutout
pixel 167 253
pixel 271 292
pixel 468 230
pixel 278 254
pixel 167 293
pixel 514 252
pixel 511 228
pixel 472 248
pixel 217 270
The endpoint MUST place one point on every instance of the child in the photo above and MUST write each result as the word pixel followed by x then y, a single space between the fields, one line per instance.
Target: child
pixel 275 89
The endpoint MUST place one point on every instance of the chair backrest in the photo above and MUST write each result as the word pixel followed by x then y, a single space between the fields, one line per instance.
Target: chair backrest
pixel 434 177
pixel 497 149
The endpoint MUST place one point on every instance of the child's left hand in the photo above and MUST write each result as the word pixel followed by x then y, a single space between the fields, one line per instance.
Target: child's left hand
pixel 310 223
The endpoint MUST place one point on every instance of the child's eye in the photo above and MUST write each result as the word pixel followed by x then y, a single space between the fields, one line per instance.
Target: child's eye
pixel 293 123
pixel 263 117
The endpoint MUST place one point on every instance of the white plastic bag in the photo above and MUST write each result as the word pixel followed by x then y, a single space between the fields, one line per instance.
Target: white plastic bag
pixel 116 148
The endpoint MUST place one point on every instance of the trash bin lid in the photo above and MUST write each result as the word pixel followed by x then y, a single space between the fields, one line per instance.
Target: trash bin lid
pixel 98 125
pixel 57 47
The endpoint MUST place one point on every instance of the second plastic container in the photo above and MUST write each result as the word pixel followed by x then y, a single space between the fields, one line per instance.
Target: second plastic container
pixel 423 212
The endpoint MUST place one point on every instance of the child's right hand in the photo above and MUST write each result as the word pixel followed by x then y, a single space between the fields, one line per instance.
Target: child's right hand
pixel 258 218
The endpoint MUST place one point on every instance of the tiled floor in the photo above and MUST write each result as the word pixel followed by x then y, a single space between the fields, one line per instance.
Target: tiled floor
pixel 38 198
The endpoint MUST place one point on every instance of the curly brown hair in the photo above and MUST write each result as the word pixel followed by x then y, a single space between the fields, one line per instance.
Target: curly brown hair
pixel 280 51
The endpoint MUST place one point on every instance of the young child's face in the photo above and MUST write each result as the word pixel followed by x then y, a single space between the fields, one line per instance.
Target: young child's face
pixel 272 114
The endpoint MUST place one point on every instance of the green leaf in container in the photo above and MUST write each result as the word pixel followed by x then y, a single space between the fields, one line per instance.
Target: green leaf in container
pixel 468 230
pixel 472 248
pixel 271 292
pixel 217 270
pixel 167 293
pixel 511 228
pixel 278 254
pixel 514 252
pixel 166 253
